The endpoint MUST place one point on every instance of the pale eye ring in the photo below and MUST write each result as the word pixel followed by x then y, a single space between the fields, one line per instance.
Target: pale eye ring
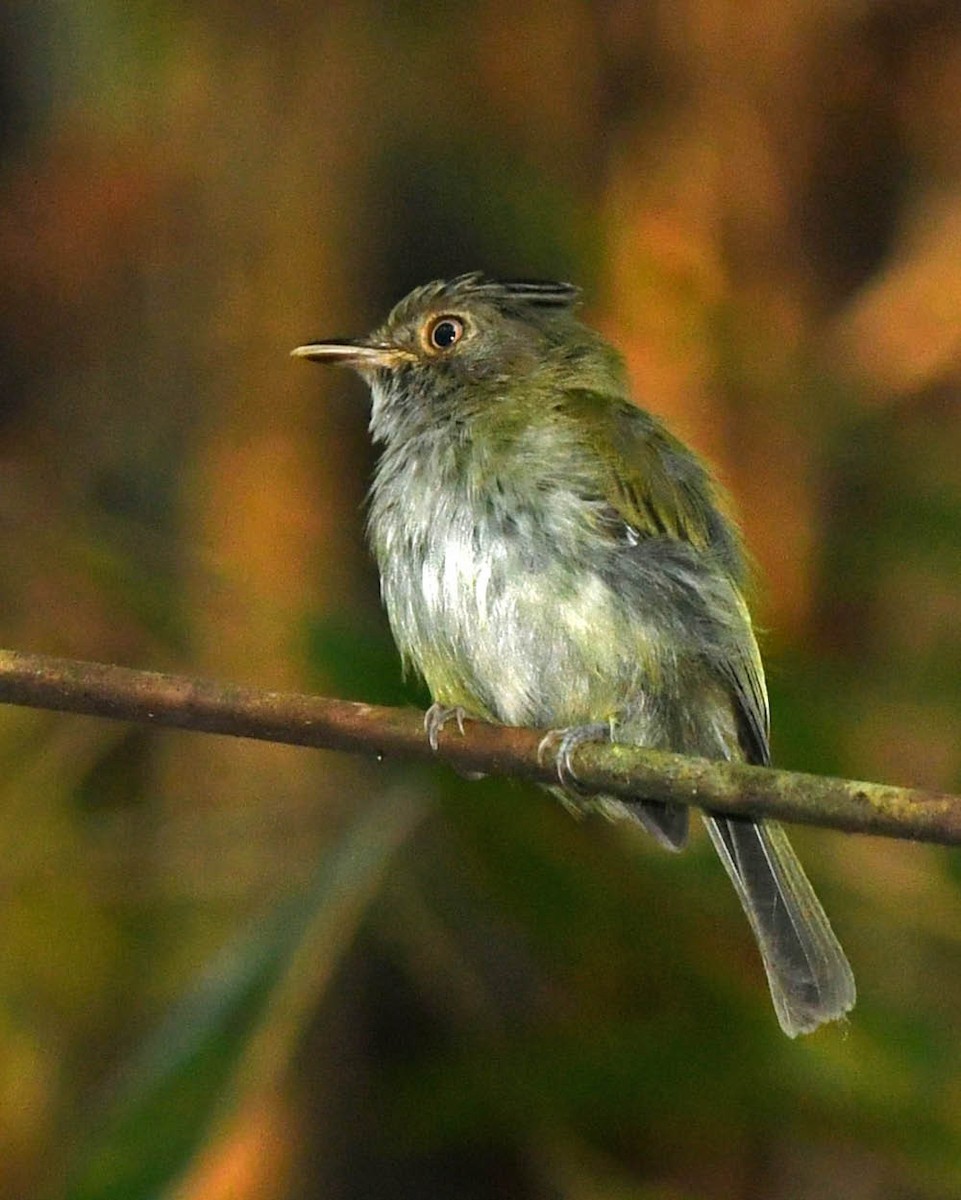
pixel 445 332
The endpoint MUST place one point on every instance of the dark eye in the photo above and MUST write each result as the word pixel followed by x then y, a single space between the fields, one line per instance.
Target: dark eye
pixel 445 332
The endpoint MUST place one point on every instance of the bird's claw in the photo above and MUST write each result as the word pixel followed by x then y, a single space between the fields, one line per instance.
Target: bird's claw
pixel 561 743
pixel 437 717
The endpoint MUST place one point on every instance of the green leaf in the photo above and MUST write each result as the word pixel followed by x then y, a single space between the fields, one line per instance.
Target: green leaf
pixel 238 1025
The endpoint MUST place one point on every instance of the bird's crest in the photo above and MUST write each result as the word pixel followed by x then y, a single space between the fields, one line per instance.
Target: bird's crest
pixel 510 295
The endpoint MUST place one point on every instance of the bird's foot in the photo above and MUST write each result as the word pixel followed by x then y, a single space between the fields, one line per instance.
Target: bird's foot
pixel 437 717
pixel 561 743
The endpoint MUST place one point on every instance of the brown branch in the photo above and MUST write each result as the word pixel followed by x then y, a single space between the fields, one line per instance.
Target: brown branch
pixel 122 694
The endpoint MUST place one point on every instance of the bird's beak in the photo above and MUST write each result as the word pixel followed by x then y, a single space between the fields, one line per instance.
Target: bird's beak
pixel 350 352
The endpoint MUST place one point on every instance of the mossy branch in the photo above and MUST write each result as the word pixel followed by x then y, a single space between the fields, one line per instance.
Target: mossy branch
pixel 150 698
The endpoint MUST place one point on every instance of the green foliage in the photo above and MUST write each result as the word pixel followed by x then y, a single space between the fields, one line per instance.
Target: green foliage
pixel 358 661
pixel 198 1063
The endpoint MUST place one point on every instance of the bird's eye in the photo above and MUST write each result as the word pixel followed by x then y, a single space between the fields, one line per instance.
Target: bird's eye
pixel 445 332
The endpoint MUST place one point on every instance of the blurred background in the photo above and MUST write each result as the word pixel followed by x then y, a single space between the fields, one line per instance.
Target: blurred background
pixel 247 971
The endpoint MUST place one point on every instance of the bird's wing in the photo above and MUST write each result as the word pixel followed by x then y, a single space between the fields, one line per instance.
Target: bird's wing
pixel 660 489
pixel 744 673
pixel 655 482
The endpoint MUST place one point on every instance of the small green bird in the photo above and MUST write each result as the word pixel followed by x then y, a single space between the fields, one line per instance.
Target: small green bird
pixel 551 556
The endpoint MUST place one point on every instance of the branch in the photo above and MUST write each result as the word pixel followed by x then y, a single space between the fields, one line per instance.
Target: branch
pixel 94 689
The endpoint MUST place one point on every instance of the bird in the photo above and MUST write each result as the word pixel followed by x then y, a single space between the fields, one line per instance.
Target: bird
pixel 552 556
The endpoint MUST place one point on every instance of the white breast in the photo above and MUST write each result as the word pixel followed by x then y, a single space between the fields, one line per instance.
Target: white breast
pixel 535 636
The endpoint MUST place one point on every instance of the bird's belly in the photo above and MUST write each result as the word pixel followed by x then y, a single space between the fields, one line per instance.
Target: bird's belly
pixel 522 640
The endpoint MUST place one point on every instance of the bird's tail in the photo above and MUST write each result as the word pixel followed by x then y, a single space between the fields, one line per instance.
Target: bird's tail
pixel 810 978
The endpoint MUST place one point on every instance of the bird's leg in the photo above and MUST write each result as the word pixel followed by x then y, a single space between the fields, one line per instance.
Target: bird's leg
pixel 563 742
pixel 437 717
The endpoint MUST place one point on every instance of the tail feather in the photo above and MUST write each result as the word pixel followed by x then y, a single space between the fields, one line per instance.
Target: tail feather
pixel 809 976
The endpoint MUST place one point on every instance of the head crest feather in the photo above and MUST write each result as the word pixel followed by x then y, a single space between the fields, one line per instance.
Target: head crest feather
pixel 510 295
